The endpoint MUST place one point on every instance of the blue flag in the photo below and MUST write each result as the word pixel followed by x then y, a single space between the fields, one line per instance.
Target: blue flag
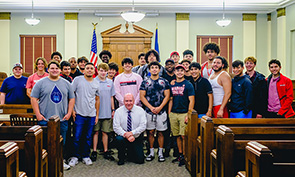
pixel 156 42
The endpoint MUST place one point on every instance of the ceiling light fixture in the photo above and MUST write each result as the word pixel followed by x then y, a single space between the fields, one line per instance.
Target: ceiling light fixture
pixel 32 21
pixel 224 21
pixel 132 16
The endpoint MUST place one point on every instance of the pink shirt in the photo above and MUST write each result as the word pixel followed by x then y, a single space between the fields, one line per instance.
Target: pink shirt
pixel 274 104
pixel 34 78
pixel 127 83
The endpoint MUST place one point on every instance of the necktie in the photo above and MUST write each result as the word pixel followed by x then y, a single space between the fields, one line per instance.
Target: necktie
pixel 129 122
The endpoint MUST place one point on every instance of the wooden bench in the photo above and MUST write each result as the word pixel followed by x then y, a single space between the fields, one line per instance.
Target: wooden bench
pixel 208 127
pixel 35 157
pixel 261 160
pixel 228 158
pixel 9 160
pixel 53 143
pixel 191 134
pixel 15 108
pixel 23 119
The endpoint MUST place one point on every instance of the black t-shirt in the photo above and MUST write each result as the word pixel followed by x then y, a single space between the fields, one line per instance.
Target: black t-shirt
pixel 202 88
pixel 77 73
pixel 168 77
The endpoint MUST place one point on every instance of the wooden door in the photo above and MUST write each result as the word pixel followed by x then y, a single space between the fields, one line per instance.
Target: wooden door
pixel 34 46
pixel 123 45
pixel 226 48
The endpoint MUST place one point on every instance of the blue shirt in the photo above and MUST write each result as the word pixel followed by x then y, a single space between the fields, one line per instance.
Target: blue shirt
pixel 154 92
pixel 180 93
pixel 15 90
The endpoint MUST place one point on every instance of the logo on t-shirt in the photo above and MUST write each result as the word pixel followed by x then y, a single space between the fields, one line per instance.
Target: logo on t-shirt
pixel 178 90
pixel 133 82
pixel 56 95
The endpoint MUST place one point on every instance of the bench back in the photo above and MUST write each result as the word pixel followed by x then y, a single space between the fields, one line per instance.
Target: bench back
pixel 9 161
pixel 23 119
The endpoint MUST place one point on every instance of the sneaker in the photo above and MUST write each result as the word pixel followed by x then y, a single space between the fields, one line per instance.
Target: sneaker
pixel 73 161
pixel 93 156
pixel 161 158
pixel 149 157
pixel 107 155
pixel 121 162
pixel 181 161
pixel 66 166
pixel 176 160
pixel 87 161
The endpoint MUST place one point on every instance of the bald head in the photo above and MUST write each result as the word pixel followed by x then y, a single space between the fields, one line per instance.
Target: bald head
pixel 129 101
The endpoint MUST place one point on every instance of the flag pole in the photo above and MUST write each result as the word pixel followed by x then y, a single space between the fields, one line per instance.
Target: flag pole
pixel 94 25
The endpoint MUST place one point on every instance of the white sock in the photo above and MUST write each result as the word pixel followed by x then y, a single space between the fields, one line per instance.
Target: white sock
pixel 152 152
pixel 160 152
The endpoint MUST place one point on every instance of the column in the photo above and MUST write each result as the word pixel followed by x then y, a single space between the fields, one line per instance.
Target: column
pixel 71 35
pixel 5 42
pixel 182 32
pixel 268 36
pixel 281 39
pixel 249 35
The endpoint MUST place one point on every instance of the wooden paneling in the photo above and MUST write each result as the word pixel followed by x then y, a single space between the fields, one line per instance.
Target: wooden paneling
pixel 123 45
pixel 34 46
pixel 225 43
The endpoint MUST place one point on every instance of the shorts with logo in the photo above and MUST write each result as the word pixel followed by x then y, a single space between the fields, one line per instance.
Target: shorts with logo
pixel 177 123
pixel 105 125
pixel 156 121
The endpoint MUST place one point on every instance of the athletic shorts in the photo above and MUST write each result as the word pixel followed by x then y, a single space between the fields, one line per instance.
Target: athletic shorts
pixel 105 125
pixel 177 123
pixel 158 122
pixel 216 109
pixel 240 114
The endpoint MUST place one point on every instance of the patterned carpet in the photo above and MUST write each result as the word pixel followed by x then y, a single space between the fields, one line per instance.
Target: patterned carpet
pixel 106 168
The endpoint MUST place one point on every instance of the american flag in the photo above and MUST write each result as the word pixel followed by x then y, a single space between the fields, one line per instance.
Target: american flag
pixel 93 56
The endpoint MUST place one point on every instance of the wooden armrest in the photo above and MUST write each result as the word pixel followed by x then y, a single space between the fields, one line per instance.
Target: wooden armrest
pixel 214 153
pixel 22 174
pixel 44 153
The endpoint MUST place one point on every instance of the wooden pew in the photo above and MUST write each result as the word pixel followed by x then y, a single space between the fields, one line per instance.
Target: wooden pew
pixel 15 108
pixel 191 134
pixel 261 161
pixel 206 140
pixel 52 143
pixel 35 157
pixel 231 142
pixel 9 160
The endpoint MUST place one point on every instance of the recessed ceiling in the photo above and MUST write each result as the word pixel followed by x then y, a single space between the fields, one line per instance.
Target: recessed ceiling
pixel 161 6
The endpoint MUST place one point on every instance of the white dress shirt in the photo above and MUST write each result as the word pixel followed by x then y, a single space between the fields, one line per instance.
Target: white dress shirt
pixel 138 120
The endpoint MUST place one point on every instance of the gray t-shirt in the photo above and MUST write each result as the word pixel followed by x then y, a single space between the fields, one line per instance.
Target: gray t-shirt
pixel 85 93
pixel 106 91
pixel 53 96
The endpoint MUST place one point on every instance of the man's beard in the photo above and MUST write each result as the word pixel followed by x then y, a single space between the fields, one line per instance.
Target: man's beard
pixel 170 71
pixel 217 69
pixel 82 68
pixel 73 69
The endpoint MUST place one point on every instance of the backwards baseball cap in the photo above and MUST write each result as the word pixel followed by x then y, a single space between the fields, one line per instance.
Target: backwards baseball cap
pixel 180 66
pixel 17 65
pixel 174 53
pixel 169 60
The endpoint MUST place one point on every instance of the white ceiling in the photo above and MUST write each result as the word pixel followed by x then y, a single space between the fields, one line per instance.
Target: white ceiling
pixel 161 6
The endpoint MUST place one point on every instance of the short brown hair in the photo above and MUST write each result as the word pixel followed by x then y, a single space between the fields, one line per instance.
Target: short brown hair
pixel 44 61
pixel 54 62
pixel 103 66
pixel 252 59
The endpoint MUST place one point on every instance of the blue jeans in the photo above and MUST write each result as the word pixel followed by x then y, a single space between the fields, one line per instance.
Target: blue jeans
pixel 83 124
pixel 240 114
pixel 63 128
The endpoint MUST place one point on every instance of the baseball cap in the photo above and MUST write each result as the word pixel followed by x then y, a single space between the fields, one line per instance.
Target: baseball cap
pixel 169 60
pixel 180 66
pixel 174 53
pixel 17 65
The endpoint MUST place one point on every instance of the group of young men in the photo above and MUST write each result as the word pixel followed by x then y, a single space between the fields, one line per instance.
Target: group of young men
pixel 146 97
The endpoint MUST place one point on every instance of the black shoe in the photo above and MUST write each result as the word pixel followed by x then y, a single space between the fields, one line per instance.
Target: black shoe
pixel 149 157
pixel 161 158
pixel 181 161
pixel 176 160
pixel 107 155
pixel 111 152
pixel 175 154
pixel 121 162
pixel 166 153
pixel 93 156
